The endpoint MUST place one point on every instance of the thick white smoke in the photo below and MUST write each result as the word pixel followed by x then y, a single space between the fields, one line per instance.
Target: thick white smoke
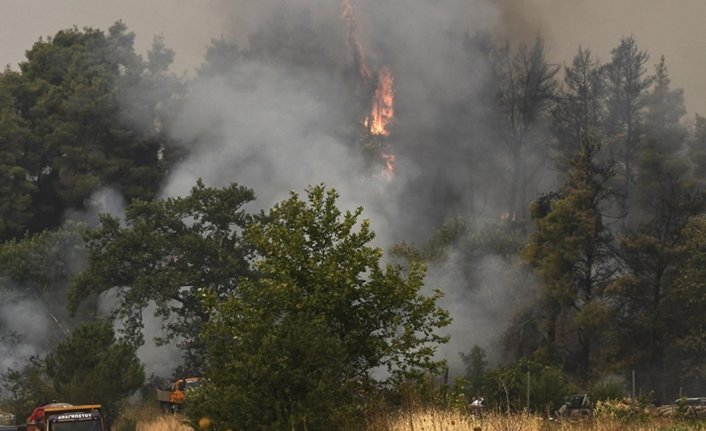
pixel 288 115
pixel 25 327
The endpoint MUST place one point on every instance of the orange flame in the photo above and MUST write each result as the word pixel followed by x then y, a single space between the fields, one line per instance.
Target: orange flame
pixel 382 111
pixel 383 104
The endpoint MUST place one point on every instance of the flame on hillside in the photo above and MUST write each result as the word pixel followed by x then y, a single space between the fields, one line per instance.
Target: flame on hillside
pixel 377 123
pixel 383 110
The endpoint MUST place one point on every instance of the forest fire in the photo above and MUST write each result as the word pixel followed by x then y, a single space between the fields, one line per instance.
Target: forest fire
pixel 377 123
pixel 381 116
pixel 383 109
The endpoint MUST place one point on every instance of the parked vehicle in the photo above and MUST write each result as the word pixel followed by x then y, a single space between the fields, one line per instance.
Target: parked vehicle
pixel 65 417
pixel 7 422
pixel 173 397
pixel 577 405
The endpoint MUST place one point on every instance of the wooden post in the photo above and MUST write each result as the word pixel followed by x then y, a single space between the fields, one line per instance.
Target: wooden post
pixel 528 391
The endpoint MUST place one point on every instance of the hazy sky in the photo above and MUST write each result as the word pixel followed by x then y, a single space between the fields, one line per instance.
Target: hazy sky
pixel 669 27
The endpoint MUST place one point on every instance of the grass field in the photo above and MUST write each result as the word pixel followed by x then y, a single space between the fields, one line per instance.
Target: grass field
pixel 163 423
pixel 439 420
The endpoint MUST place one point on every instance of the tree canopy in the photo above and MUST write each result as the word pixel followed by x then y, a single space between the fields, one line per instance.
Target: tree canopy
pixel 91 366
pixel 571 251
pixel 169 253
pixel 81 115
pixel 306 340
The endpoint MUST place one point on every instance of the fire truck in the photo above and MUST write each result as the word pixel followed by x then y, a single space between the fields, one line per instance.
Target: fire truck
pixel 66 417
pixel 172 398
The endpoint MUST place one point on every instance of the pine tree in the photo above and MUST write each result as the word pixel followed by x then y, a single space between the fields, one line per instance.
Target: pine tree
pixel 572 253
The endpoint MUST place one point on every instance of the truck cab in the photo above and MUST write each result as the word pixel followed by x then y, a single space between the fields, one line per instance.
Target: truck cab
pixel 66 417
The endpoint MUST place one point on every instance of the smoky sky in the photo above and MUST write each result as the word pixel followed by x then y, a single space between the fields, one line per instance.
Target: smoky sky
pixel 673 29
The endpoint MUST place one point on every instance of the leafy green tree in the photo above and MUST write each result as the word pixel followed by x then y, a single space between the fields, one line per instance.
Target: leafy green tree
pixel 572 253
pixel 89 113
pixel 25 388
pixel 476 366
pixel 40 267
pixel 688 301
pixel 171 253
pixel 506 387
pixel 433 250
pixel 15 186
pixel 300 346
pixel 91 366
pixel 44 260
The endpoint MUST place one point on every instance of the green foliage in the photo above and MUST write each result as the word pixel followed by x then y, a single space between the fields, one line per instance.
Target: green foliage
pixel 571 250
pixel 171 253
pixel 297 346
pixel 621 410
pixel 44 260
pixel 435 249
pixel 26 388
pixel 476 366
pixel 688 300
pixel 15 186
pixel 81 115
pixel 653 247
pixel 604 390
pixel 91 366
pixel 505 388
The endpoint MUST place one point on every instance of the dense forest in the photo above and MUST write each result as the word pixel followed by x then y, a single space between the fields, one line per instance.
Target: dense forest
pixel 314 221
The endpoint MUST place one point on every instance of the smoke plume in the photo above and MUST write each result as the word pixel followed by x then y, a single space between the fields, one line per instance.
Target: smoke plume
pixel 291 111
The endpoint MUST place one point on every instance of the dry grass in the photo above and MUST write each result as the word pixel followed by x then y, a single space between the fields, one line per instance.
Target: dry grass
pixel 164 423
pixel 441 420
pixel 433 420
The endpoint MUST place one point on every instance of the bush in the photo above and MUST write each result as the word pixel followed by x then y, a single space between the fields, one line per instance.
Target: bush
pixel 506 388
pixel 607 390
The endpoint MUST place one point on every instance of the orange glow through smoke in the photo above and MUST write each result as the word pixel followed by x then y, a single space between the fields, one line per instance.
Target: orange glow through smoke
pixel 382 111
pixel 383 104
pixel 389 165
